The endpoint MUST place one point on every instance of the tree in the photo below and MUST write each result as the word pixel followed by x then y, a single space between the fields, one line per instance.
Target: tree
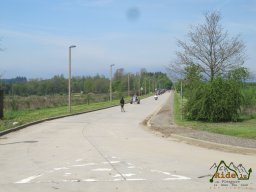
pixel 210 48
pixel 210 65
pixel 191 80
pixel 215 101
pixel 239 74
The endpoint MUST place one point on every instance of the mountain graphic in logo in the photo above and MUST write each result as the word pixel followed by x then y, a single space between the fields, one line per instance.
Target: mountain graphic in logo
pixel 214 166
pixel 240 168
pixel 222 171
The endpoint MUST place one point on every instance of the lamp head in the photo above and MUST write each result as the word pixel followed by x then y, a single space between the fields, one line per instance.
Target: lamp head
pixel 72 46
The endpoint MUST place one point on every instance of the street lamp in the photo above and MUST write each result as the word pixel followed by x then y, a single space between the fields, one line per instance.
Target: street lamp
pixel 128 84
pixel 110 83
pixel 69 79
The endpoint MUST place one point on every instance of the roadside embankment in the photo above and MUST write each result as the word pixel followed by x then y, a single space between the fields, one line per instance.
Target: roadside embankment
pixel 162 122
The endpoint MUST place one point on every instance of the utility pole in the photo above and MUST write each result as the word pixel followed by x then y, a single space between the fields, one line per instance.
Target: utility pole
pixel 139 85
pixel 69 78
pixel 128 84
pixel 145 86
pixel 110 83
pixel 1 104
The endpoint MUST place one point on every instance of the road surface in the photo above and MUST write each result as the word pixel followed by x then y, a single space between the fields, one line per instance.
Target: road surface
pixel 110 150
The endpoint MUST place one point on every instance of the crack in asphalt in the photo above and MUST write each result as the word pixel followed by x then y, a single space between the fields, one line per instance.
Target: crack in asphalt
pixel 101 153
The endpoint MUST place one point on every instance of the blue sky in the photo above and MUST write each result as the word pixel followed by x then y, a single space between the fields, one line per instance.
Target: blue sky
pixel 132 34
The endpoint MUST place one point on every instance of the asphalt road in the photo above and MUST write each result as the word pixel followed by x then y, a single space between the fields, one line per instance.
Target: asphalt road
pixel 109 150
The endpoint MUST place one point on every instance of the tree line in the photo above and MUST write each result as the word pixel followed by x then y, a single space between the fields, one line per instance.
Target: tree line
pixel 135 83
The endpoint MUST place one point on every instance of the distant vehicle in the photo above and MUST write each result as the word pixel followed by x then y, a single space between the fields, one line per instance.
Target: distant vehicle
pixel 135 99
pixel 155 97
pixel 160 91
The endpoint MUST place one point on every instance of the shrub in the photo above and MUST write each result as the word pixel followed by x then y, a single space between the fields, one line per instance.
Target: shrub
pixel 215 101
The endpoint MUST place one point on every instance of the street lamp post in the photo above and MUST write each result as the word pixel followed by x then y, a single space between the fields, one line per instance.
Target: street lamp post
pixel 128 84
pixel 69 79
pixel 110 83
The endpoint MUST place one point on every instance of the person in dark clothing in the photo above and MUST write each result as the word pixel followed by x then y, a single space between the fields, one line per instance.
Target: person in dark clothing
pixel 122 104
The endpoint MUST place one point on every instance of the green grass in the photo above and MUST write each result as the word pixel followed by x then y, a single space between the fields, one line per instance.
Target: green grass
pixel 26 116
pixel 21 117
pixel 245 128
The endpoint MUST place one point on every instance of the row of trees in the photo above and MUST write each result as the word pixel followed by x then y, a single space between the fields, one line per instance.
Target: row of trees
pixel 139 83
pixel 210 67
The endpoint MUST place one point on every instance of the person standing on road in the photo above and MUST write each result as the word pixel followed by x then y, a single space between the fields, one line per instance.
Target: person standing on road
pixel 122 104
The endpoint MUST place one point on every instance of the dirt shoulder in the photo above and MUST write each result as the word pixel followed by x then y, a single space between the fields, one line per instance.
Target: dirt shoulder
pixel 162 123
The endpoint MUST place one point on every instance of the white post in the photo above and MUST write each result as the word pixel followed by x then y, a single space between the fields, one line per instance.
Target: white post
pixel 69 79
pixel 110 83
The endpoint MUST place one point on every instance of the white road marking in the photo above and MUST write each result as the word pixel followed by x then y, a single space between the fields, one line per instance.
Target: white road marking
pixel 90 180
pixel 102 169
pixel 177 177
pixel 111 162
pixel 114 162
pixel 158 171
pixel 66 174
pixel 117 175
pixel 136 179
pixel 60 168
pixel 119 179
pixel 82 165
pixel 128 174
pixel 70 180
pixel 27 180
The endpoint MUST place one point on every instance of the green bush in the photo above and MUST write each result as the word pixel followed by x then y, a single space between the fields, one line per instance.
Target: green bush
pixel 215 101
pixel 249 99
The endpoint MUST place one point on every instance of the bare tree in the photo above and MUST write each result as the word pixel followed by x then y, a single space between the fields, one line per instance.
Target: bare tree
pixel 210 48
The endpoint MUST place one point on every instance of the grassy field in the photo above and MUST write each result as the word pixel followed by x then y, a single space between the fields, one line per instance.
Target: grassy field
pixel 21 117
pixel 246 127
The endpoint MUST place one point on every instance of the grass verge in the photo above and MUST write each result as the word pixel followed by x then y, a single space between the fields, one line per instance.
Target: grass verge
pixel 21 117
pixel 245 128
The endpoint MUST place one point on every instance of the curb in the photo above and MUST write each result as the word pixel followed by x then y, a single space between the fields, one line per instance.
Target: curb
pixel 213 145
pixel 150 117
pixel 204 143
pixel 47 119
